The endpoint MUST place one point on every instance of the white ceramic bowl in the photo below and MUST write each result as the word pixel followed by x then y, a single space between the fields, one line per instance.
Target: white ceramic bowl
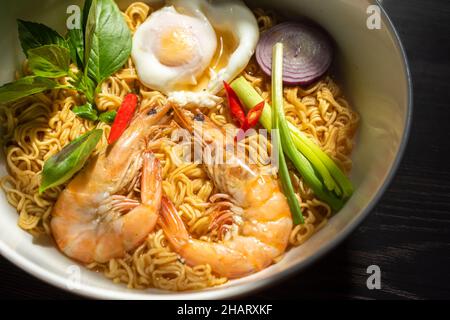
pixel 375 74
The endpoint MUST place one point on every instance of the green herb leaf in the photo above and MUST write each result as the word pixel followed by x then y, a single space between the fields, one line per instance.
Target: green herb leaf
pixel 108 116
pixel 25 87
pixel 85 85
pixel 33 35
pixel 62 166
pixel 86 8
pixel 86 111
pixel 50 61
pixel 88 87
pixel 107 40
pixel 75 38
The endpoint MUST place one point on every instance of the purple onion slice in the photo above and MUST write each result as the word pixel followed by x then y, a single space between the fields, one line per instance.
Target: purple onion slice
pixel 308 52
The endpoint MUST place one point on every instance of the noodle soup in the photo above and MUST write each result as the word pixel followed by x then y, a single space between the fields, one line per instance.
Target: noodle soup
pixel 38 127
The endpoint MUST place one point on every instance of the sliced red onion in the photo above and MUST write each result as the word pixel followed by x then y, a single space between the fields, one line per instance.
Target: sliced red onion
pixel 308 52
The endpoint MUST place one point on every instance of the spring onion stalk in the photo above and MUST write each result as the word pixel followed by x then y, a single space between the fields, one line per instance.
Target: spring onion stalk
pixel 281 130
pixel 247 94
pixel 316 162
pixel 301 140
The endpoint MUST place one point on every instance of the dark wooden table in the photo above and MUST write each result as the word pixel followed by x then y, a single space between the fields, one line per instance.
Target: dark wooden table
pixel 408 233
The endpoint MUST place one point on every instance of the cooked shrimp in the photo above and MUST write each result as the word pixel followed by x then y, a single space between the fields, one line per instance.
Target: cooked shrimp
pixel 90 222
pixel 267 221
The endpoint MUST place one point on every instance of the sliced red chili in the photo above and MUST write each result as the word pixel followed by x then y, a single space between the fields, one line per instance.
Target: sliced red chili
pixel 123 117
pixel 251 120
pixel 237 112
pixel 253 116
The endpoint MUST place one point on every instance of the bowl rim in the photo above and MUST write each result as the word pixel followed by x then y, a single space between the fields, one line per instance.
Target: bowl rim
pixel 234 292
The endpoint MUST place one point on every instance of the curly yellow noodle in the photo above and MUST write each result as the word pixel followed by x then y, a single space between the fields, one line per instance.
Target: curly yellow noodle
pixel 37 127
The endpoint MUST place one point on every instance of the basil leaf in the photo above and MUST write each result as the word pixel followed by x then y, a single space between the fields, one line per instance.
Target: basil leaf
pixel 108 116
pixel 75 38
pixel 85 85
pixel 62 166
pixel 33 35
pixel 49 61
pixel 86 9
pixel 88 87
pixel 86 111
pixel 25 87
pixel 107 40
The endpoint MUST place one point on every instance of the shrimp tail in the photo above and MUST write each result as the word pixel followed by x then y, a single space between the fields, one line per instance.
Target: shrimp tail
pixel 172 225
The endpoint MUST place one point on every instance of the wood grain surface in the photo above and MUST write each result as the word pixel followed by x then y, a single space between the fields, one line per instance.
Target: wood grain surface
pixel 408 233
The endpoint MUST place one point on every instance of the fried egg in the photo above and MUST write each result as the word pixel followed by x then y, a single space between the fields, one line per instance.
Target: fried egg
pixel 194 45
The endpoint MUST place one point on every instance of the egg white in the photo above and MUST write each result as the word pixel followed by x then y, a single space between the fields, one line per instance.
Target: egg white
pixel 204 18
pixel 146 42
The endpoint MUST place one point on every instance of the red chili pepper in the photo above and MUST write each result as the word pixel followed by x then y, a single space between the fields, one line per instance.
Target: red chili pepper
pixel 253 116
pixel 245 122
pixel 236 109
pixel 251 120
pixel 123 117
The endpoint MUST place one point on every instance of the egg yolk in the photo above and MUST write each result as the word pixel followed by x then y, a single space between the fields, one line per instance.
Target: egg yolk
pixel 227 44
pixel 176 47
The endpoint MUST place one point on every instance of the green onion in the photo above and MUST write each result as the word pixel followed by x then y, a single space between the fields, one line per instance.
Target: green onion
pixel 282 132
pixel 250 97
pixel 303 142
pixel 316 167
